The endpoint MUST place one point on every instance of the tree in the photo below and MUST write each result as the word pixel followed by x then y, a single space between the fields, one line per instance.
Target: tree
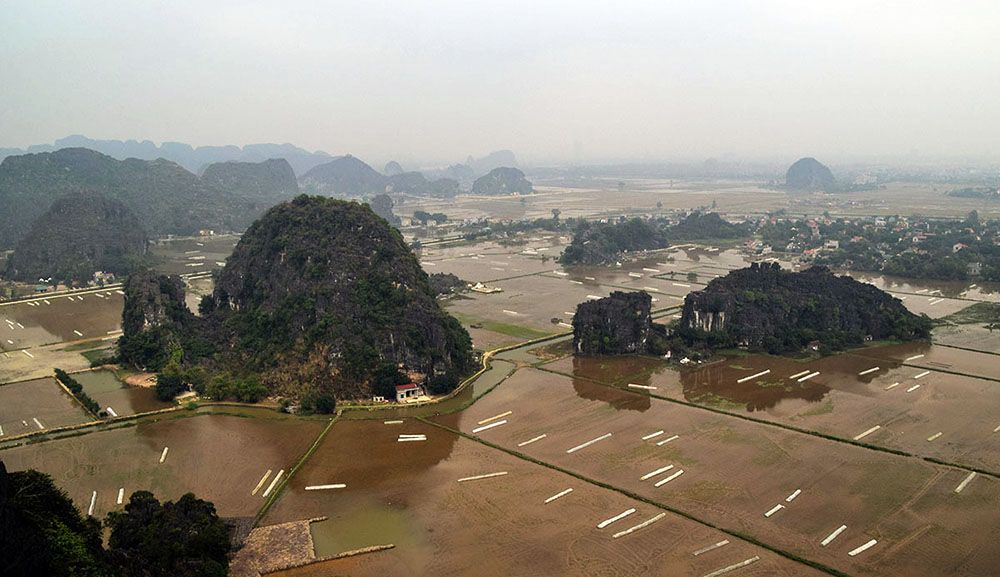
pixel 42 531
pixel 555 213
pixel 692 276
pixel 170 382
pixel 185 538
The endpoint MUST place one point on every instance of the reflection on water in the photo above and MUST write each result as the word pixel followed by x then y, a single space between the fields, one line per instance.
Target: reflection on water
pixel 717 382
pixel 105 388
pixel 385 478
pixel 608 369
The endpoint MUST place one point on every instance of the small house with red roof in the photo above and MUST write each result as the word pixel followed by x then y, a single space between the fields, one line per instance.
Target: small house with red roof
pixel 407 392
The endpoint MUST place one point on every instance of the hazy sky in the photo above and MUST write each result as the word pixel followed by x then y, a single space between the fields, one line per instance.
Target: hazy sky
pixel 554 81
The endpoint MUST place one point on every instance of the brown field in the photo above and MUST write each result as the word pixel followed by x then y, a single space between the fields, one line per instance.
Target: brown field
pixel 837 402
pixel 217 457
pixel 17 366
pixel 736 470
pixel 43 399
pixel 94 316
pixel 182 256
pixel 407 494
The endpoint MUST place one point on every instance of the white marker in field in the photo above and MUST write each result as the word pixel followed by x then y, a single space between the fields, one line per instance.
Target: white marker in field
pixel 532 440
pixel 868 432
pixel 617 517
pixel 486 476
pixel 562 493
pixel 645 523
pixel 652 474
pixel 862 548
pixel 163 455
pixel 753 376
pixel 326 487
pixel 273 483
pixel 829 538
pixel 588 443
pixel 489 426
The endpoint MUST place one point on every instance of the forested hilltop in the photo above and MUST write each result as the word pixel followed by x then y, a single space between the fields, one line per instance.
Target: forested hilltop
pixel 80 233
pixel 166 198
pixel 600 243
pixel 765 308
pixel 321 298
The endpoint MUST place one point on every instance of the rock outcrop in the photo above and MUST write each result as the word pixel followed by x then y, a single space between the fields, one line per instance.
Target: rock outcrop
pixel 156 323
pixel 808 174
pixel 382 205
pixel 319 295
pixel 605 243
pixel 269 181
pixel 765 308
pixel 344 176
pixel 614 325
pixel 502 180
pixel 78 235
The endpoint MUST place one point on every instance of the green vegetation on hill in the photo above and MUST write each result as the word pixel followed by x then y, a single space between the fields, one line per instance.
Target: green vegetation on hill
pixel 270 181
pixel 765 308
pixel 502 180
pixel 166 198
pixel 43 534
pixel 319 297
pixel 80 234
pixel 344 176
pixel 604 243
pixel 704 226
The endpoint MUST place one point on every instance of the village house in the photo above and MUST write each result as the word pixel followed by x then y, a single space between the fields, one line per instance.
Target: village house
pixel 406 393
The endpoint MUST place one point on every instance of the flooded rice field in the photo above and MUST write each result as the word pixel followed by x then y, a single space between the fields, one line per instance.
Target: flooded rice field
pixel 910 402
pixel 735 471
pixel 409 494
pixel 35 405
pixel 217 457
pixel 104 387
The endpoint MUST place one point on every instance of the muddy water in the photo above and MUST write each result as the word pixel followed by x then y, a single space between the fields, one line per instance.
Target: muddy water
pixel 105 388
pixel 43 399
pixel 217 457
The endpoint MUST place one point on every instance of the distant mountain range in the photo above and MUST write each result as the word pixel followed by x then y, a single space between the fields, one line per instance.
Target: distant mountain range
pixel 191 158
pixel 166 198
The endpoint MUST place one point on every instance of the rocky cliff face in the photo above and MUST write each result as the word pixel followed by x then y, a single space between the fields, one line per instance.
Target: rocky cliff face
pixel 80 233
pixel 156 323
pixel 503 180
pixel 809 174
pixel 764 307
pixel 328 284
pixel 615 325
pixel 269 181
pixel 382 206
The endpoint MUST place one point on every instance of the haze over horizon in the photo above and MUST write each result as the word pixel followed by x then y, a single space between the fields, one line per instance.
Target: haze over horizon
pixel 423 84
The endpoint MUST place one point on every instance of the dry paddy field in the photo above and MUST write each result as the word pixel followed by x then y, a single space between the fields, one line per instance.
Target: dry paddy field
pixel 737 471
pixel 409 494
pixel 217 457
